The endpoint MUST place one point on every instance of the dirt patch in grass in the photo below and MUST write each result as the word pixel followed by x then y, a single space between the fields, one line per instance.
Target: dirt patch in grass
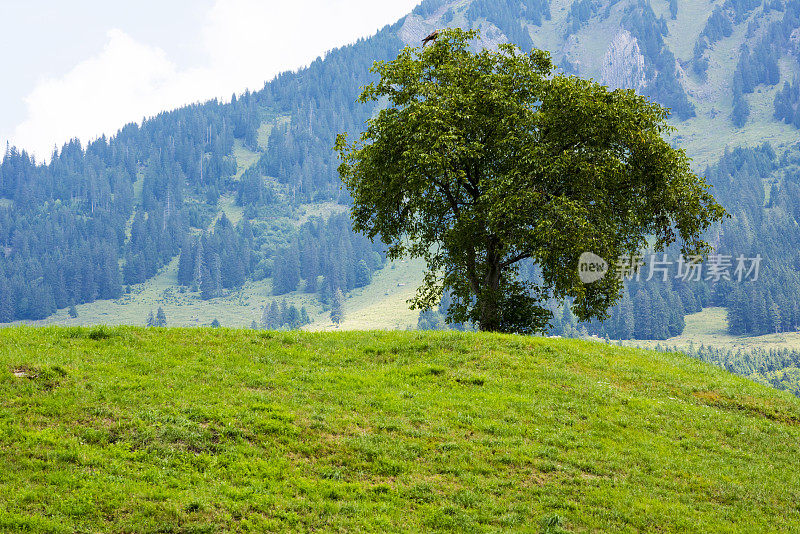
pixel 45 377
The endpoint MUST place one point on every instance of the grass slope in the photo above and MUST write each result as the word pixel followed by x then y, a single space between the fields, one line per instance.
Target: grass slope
pixel 383 304
pixel 143 430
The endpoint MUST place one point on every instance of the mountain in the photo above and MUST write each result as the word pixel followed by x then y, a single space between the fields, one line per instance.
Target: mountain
pixel 213 430
pixel 220 210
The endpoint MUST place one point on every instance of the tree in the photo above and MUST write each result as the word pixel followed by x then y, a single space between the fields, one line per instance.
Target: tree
pixel 271 317
pixel 627 323
pixel 741 110
pixel 151 321
pixel 430 320
pixel 337 307
pixel 211 283
pixel 215 323
pixel 287 271
pixel 363 274
pixel 161 317
pixel 73 312
pixel 484 159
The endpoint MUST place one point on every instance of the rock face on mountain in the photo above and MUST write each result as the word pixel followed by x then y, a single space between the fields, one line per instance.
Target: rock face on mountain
pixel 623 63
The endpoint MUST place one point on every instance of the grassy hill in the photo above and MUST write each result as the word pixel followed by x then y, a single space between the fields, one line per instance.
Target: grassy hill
pixel 144 430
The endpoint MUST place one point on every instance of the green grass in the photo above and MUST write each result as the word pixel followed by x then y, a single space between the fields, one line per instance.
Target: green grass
pixel 227 205
pixel 691 19
pixel 382 305
pixel 245 158
pixel 201 430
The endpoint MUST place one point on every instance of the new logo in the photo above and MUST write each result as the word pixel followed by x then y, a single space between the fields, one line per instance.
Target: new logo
pixel 591 267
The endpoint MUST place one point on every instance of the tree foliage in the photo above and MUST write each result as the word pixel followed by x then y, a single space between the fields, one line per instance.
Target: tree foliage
pixel 484 159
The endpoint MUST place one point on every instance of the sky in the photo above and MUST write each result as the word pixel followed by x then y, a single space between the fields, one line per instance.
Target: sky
pixel 87 67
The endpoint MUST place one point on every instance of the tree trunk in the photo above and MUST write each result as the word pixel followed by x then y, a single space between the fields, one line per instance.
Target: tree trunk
pixel 489 299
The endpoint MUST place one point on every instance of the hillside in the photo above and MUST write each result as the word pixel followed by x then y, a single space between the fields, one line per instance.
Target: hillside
pixel 205 430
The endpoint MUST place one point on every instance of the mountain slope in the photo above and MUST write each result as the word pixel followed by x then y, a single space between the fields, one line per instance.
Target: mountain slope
pixel 205 430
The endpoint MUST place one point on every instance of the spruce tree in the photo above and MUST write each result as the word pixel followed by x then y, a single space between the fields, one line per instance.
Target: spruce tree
pixel 627 323
pixel 161 317
pixel 337 307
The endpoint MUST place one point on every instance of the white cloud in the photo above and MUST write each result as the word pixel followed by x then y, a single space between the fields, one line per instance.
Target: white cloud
pixel 96 96
pixel 246 42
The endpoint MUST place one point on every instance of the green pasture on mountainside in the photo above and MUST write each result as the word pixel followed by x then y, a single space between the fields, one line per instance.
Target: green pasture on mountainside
pixel 208 430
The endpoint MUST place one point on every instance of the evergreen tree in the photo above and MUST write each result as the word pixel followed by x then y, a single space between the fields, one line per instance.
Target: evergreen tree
pixel 161 317
pixel 363 274
pixel 430 320
pixel 271 317
pixel 211 285
pixel 287 271
pixel 626 323
pixel 337 307
pixel 741 110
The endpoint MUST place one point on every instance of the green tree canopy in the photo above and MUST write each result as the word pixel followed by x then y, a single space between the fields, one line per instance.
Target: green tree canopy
pixel 483 159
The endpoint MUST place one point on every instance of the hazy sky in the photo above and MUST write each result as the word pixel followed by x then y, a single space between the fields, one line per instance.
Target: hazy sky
pixel 86 67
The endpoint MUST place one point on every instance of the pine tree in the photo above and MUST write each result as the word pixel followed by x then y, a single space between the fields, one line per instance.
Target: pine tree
pixel 775 318
pixel 337 307
pixel 186 263
pixel 151 321
pixel 286 274
pixel 161 317
pixel 741 109
pixel 363 274
pixel 211 285
pixel 292 318
pixel 430 320
pixel 643 314
pixel 270 318
pixel 6 301
pixel 199 265
pixel 627 323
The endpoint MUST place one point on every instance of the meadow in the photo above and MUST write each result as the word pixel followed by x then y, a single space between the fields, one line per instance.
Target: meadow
pixel 129 429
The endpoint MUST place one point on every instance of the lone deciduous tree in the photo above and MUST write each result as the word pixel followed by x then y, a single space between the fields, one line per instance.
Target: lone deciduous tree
pixel 482 160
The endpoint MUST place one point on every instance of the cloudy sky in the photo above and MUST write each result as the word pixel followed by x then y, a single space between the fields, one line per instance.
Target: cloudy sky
pixel 86 67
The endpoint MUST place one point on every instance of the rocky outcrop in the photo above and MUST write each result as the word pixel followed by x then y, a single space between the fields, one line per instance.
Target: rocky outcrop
pixel 623 63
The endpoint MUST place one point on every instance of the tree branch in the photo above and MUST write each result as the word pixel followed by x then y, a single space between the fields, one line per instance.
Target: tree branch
pixel 515 259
